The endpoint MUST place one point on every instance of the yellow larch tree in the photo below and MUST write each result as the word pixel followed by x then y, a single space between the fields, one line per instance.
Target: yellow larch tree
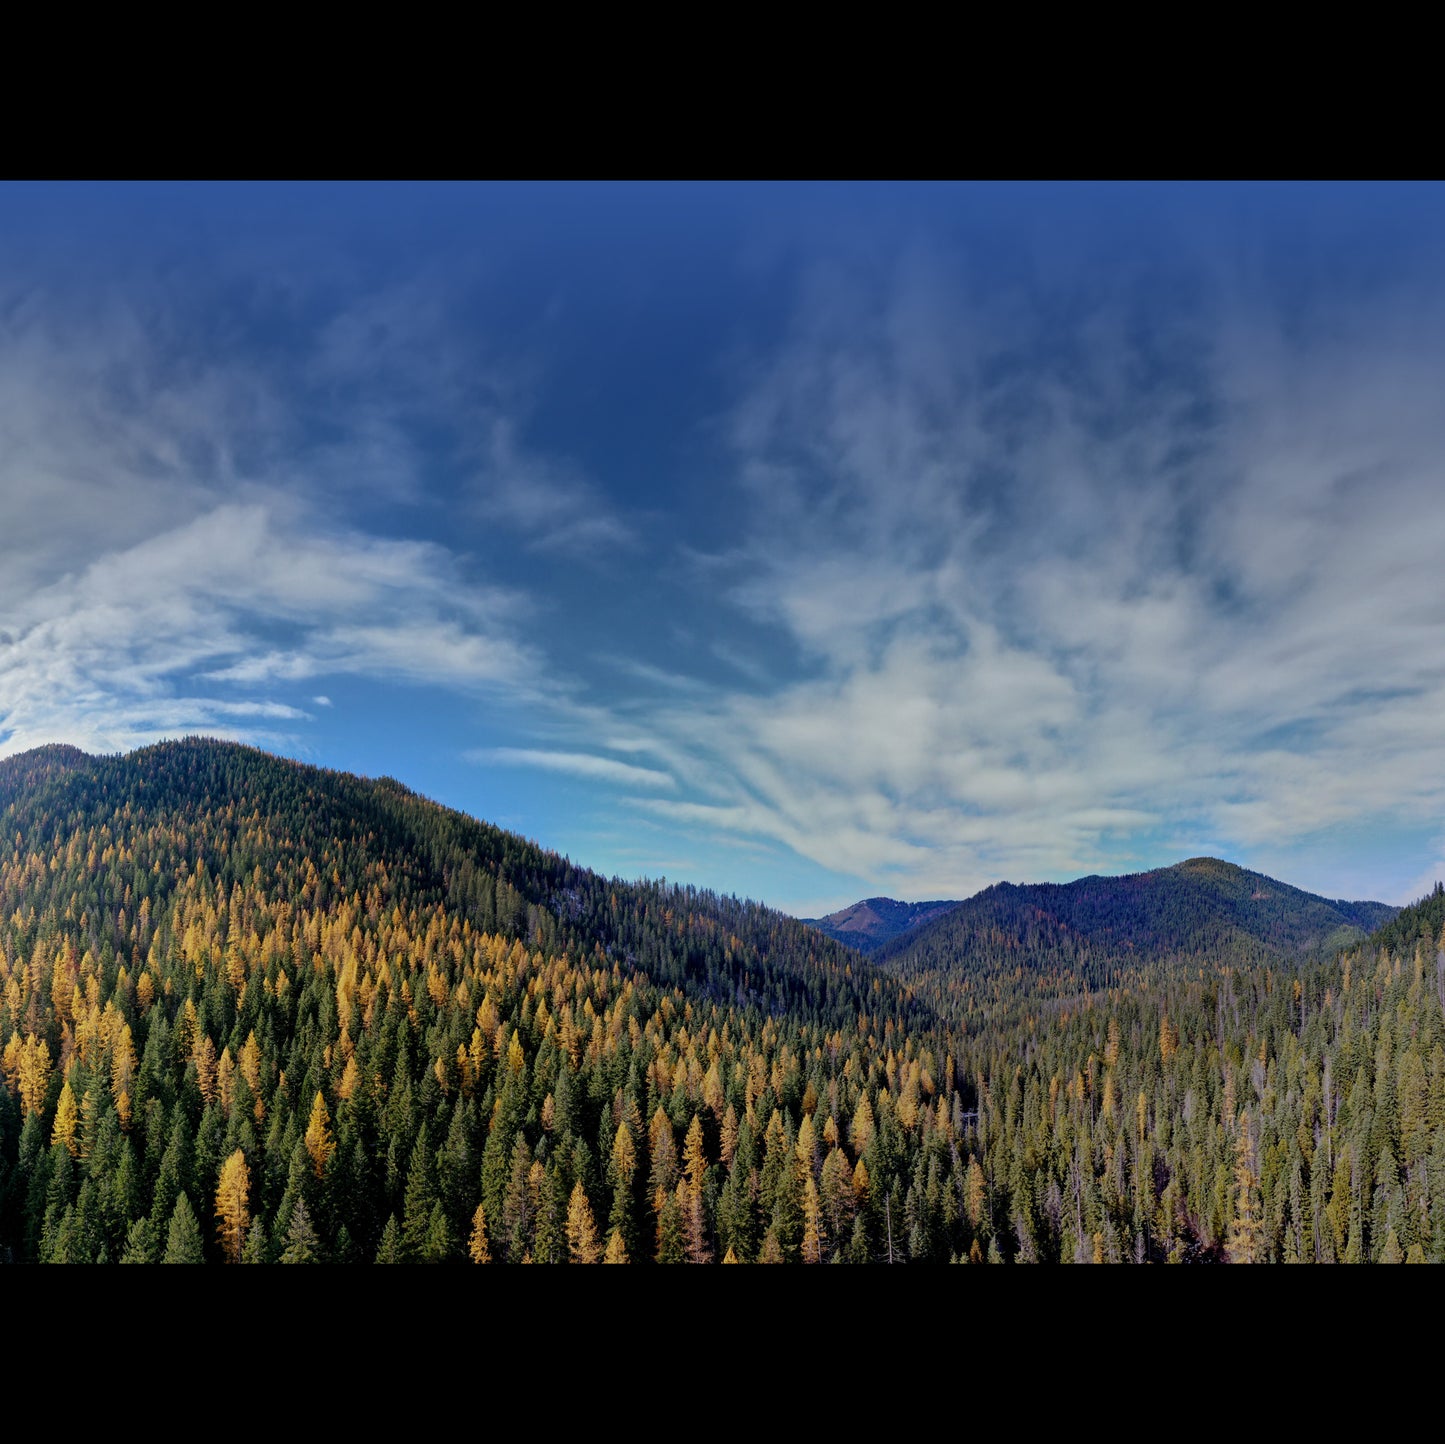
pixel 225 1075
pixel 233 1194
pixel 861 1133
pixel 250 1061
pixel 206 1067
pixel 729 1135
pixel 34 1074
pixel 582 1244
pixel 624 1156
pixel 11 1063
pixel 690 1194
pixel 694 1159
pixel 319 1142
pixel 477 1247
pixel 1168 1039
pixel 67 1119
pixel 860 1181
pixel 977 1192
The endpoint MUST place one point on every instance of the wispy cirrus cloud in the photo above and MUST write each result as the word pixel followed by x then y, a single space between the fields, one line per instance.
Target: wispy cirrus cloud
pixel 1022 559
pixel 111 656
pixel 575 764
pixel 1063 578
pixel 547 500
pixel 189 513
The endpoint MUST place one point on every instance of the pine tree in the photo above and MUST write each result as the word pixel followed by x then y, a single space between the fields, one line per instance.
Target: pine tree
pixel 1243 1241
pixel 140 1245
pixel 437 1246
pixel 813 1235
pixel 517 1212
pixel 255 1251
pixel 417 1203
pixel 301 1242
pixel 183 1239
pixel 671 1245
pixel 389 1251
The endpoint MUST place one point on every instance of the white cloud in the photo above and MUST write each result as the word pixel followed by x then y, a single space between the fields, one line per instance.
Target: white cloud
pixel 577 764
pixel 103 656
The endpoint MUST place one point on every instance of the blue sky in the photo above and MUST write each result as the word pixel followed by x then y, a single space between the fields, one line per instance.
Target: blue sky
pixel 801 541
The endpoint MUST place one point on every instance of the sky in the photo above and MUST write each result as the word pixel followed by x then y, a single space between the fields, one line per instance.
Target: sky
pixel 802 541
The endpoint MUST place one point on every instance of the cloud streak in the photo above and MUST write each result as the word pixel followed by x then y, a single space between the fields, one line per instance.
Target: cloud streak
pixel 574 764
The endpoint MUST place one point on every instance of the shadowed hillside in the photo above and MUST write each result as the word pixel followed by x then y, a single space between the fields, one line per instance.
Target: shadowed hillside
pixel 1202 909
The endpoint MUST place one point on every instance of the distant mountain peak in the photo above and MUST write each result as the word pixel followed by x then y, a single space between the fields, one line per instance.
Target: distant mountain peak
pixel 869 924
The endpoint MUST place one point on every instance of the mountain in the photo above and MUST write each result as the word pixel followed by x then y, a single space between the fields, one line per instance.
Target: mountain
pixel 254 1009
pixel 261 1012
pixel 867 925
pixel 227 810
pixel 1200 910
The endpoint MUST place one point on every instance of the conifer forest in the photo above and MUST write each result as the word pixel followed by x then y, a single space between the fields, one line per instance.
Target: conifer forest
pixel 257 1012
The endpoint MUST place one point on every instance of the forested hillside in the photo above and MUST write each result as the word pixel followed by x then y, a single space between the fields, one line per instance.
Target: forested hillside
pixel 257 1012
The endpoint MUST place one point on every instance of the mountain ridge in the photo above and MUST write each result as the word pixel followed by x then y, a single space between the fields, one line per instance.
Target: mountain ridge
pixel 256 1011
pixel 1203 907
pixel 877 923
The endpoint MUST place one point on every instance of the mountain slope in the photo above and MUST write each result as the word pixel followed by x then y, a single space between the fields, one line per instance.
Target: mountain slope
pixel 1202 909
pixel 1422 923
pixel 254 1010
pixel 867 925
pixel 235 808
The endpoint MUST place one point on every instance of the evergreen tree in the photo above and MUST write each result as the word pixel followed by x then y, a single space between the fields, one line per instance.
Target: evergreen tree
pixel 140 1244
pixel 302 1246
pixel 183 1238
pixel 390 1250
